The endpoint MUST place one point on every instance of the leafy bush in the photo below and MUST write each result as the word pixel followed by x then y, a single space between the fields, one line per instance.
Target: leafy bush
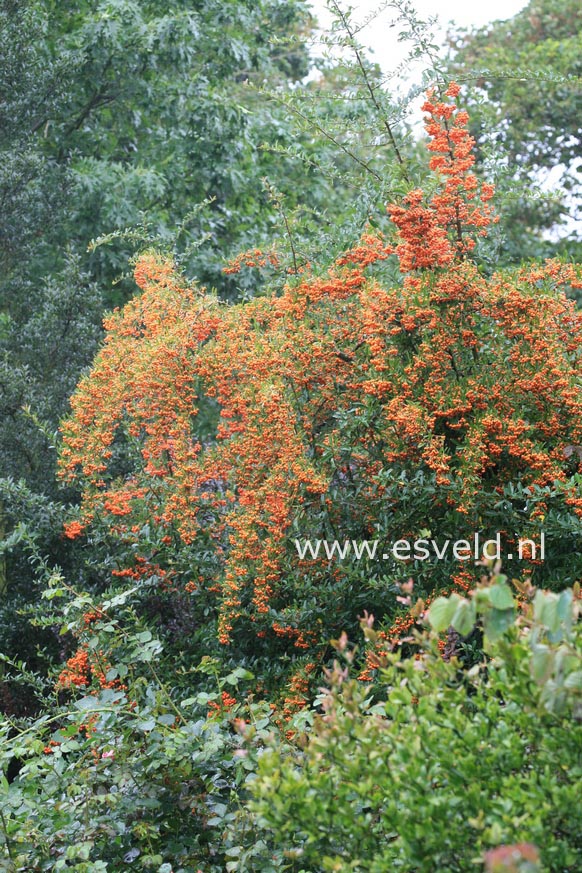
pixel 124 769
pixel 448 764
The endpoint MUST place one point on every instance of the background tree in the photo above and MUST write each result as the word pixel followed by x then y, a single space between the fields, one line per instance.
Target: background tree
pixel 524 90
pixel 143 125
pixel 114 115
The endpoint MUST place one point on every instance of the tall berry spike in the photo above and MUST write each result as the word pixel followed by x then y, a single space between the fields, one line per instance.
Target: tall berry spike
pixel 434 234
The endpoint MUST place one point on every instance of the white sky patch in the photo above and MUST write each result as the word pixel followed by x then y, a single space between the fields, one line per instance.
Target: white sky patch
pixel 381 36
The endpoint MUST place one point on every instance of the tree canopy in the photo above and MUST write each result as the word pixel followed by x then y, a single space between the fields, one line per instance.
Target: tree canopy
pixel 524 79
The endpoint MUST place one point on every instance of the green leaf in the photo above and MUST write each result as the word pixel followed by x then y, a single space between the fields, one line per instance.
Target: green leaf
pixel 546 610
pixel 241 673
pixel 574 681
pixel 500 596
pixel 497 621
pixel 86 703
pixel 542 663
pixel 441 612
pixel 464 618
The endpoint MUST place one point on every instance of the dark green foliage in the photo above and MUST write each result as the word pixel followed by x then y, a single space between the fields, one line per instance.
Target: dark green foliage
pixel 427 769
pixel 524 93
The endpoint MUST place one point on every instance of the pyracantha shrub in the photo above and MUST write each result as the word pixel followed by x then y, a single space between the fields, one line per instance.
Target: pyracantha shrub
pixel 401 394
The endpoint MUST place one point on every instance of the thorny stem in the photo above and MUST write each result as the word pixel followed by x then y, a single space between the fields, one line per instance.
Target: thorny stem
pixel 165 692
pixel 290 237
pixel 277 199
pixel 327 135
pixel 368 85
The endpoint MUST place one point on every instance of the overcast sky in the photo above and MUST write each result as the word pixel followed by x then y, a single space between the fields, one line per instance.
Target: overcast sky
pixel 383 38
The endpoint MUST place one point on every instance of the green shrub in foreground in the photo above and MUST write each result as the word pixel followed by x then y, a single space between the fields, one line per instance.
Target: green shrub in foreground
pixel 129 767
pixel 450 764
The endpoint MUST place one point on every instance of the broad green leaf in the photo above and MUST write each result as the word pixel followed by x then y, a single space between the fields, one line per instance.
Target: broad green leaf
pixel 500 596
pixel 464 617
pixel 441 612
